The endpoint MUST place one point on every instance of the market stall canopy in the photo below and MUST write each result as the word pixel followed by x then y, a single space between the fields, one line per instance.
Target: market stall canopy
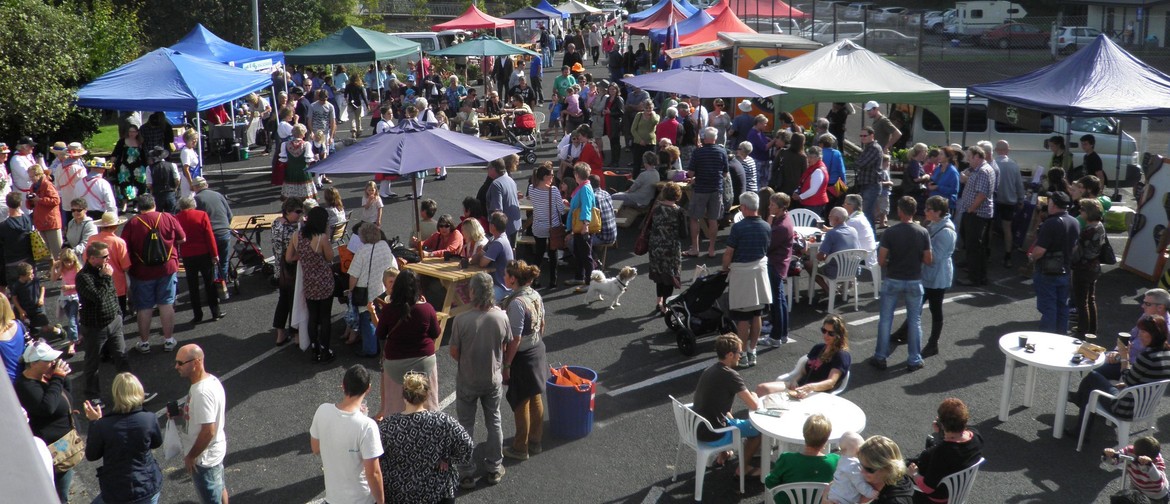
pixel 661 19
pixel 1101 79
pixel 726 22
pixel 718 8
pixel 846 72
pixel 531 13
pixel 696 21
pixel 679 5
pixel 767 9
pixel 574 7
pixel 547 7
pixel 202 43
pixel 703 81
pixel 168 81
pixel 351 45
pixel 411 148
pixel 474 19
pixel 483 46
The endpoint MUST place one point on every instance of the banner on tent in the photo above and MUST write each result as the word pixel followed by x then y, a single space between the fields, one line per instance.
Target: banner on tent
pixel 1029 120
pixel 753 58
pixel 697 49
pixel 263 65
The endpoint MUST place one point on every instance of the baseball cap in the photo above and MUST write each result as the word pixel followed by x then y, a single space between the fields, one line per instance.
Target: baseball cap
pixel 870 105
pixel 1060 199
pixel 40 351
pixel 26 141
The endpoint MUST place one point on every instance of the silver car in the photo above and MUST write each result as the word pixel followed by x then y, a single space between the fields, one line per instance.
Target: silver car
pixel 1067 39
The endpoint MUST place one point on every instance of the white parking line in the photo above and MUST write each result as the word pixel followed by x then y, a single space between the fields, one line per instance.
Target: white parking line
pixel 239 369
pixel 653 495
pixel 902 311
pixel 447 401
pixel 660 378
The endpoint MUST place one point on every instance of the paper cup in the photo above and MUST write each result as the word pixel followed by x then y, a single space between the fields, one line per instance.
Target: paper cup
pixel 1023 341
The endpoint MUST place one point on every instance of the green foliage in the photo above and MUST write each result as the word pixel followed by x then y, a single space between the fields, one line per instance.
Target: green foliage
pixel 44 57
pixel 113 36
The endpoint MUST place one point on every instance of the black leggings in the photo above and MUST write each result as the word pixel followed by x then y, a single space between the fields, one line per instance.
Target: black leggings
pixel 664 290
pixel 541 249
pixel 1084 283
pixel 934 299
pixel 201 267
pixel 582 257
pixel 283 307
pixel 320 321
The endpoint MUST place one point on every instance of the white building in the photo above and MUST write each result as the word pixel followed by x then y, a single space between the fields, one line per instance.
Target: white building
pixel 1130 21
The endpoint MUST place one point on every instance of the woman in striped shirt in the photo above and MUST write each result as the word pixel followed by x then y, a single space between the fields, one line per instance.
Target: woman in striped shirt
pixel 1152 365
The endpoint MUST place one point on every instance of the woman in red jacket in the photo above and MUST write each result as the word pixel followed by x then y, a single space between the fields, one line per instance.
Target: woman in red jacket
pixel 199 255
pixel 814 184
pixel 43 200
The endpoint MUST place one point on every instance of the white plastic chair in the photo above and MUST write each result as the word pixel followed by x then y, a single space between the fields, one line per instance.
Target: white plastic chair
pixel 803 217
pixel 541 117
pixel 688 423
pixel 798 493
pixel 1145 407
pixel 844 382
pixel 959 484
pixel 848 266
pixel 875 271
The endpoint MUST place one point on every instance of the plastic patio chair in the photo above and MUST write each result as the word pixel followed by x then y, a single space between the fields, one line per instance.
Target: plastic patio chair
pixel 798 493
pixel 541 117
pixel 800 365
pixel 1145 407
pixel 959 484
pixel 848 269
pixel 688 422
pixel 803 217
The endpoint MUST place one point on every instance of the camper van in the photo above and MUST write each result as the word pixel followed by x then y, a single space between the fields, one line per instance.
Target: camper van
pixel 433 41
pixel 974 18
pixel 1026 130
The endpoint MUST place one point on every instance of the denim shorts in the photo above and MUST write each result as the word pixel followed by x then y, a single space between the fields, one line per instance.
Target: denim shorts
pixel 150 293
pixel 746 430
pixel 209 483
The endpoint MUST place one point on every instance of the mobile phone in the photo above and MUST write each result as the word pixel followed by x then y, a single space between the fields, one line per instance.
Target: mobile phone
pixel 173 409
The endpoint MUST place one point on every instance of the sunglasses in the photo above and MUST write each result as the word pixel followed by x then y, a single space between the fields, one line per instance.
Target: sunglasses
pixel 180 363
pixel 103 257
pixel 870 470
pixel 77 210
pixel 829 332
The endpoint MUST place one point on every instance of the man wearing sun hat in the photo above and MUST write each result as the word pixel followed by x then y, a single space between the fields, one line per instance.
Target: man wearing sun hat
pixel 21 161
pixel 742 124
pixel 98 194
pixel 67 171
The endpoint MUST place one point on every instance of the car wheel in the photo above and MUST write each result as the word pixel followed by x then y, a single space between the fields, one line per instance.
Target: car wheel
pixel 899 51
pixel 1003 43
pixel 686 342
pixel 1069 49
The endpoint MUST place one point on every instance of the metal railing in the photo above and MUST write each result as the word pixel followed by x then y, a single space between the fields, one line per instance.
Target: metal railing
pixel 399 8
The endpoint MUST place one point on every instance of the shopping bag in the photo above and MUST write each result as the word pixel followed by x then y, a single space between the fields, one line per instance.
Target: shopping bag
pixel 700 271
pixel 172 446
pixel 567 378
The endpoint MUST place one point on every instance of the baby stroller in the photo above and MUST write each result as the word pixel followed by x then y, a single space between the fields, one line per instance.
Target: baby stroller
pixel 247 258
pixel 521 135
pixel 701 309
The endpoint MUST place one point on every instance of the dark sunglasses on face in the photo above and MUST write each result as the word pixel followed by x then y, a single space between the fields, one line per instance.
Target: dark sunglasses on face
pixel 829 332
pixel 870 470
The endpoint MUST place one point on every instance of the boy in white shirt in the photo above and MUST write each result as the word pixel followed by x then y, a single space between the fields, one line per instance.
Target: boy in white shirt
pixel 849 487
pixel 349 444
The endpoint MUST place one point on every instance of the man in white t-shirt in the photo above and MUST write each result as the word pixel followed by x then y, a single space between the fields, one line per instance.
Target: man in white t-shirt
pixel 201 426
pixel 857 221
pixel 349 444
pixel 21 161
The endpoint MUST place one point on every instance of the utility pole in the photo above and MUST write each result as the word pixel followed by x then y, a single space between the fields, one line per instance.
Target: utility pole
pixel 256 24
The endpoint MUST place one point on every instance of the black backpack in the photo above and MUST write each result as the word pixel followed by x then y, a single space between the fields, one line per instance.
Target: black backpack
pixel 154 251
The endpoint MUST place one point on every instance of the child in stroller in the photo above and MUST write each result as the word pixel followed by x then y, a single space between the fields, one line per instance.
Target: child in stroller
pixel 701 309
pixel 521 132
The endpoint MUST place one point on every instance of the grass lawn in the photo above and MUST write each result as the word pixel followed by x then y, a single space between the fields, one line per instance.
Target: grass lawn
pixel 102 143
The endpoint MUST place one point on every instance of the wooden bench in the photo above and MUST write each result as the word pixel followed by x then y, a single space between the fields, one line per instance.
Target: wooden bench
pixel 525 240
pixel 629 214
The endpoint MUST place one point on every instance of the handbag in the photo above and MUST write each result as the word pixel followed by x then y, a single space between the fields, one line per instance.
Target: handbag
pixel 360 296
pixel 40 251
pixel 1106 254
pixel 642 243
pixel 556 234
pixel 70 449
pixel 594 222
pixel 1052 263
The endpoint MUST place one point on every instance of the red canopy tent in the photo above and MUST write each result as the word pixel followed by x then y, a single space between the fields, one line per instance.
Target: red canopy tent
pixel 474 19
pixel 767 9
pixel 718 8
pixel 726 21
pixel 661 19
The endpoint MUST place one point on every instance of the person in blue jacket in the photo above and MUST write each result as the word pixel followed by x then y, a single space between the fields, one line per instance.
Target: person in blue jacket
pixel 944 181
pixel 123 441
pixel 581 208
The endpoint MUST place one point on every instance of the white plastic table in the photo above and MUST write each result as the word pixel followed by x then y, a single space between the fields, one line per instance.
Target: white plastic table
pixel 789 427
pixel 1053 353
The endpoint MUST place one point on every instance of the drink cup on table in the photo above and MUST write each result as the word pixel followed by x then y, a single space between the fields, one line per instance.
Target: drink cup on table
pixel 1023 341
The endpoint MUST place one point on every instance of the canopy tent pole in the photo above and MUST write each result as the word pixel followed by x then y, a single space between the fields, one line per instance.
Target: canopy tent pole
pixel 378 78
pixel 1117 171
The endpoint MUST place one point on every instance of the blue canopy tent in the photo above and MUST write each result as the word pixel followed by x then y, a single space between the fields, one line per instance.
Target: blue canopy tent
pixel 168 81
pixel 202 43
pixel 1101 79
pixel 688 25
pixel 547 7
pixel 682 5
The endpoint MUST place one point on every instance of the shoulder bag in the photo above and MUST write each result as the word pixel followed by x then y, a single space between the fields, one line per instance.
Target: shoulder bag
pixel 556 234
pixel 360 296
pixel 642 243
pixel 70 449
pixel 594 222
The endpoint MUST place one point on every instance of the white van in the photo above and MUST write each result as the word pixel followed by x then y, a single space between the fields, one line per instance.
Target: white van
pixel 1026 130
pixel 974 18
pixel 433 41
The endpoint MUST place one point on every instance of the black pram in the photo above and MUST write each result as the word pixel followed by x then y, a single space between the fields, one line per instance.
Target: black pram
pixel 701 309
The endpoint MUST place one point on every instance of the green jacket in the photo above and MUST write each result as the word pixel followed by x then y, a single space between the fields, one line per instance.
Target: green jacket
pixel 642 129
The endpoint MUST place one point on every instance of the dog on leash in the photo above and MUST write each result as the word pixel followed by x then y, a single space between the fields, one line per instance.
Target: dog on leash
pixel 601 288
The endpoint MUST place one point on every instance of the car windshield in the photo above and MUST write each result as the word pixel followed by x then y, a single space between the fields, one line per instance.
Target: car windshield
pixel 1103 125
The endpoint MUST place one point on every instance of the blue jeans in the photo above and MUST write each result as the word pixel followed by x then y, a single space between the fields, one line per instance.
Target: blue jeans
pixel 869 196
pixel 62 482
pixel 369 341
pixel 1052 301
pixel 147 500
pixel 209 483
pixel 545 56
pixel 910 292
pixel 69 325
pixel 779 308
pixel 222 242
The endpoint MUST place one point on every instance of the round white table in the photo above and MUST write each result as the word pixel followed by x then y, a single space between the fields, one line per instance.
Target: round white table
pixel 789 426
pixel 1053 353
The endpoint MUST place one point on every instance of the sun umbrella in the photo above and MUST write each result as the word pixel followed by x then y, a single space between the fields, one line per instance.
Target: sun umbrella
pixel 481 47
pixel 703 81
pixel 411 148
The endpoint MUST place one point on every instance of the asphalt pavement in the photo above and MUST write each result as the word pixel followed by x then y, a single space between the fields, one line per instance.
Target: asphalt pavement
pixel 630 455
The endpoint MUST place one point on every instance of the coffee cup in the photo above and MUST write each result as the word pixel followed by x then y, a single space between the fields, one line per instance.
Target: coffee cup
pixel 1023 341
pixel 1123 339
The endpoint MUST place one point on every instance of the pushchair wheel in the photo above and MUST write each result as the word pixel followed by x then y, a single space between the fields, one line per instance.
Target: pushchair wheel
pixel 530 157
pixel 686 341
pixel 675 319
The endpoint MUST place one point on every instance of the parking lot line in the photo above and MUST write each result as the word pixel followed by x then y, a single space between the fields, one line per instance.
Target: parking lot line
pixel 902 311
pixel 698 366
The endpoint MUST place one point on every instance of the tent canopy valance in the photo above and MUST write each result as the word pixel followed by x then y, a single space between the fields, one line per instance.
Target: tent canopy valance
pixel 846 72
pixel 1101 79
pixel 202 43
pixel 351 45
pixel 168 81
pixel 474 19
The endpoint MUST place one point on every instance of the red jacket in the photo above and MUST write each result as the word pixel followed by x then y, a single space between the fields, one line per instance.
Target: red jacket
pixel 45 216
pixel 590 157
pixel 821 196
pixel 200 239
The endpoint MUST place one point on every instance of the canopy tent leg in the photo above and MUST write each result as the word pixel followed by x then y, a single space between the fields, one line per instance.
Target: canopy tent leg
pixel 378 78
pixel 199 135
pixel 1117 170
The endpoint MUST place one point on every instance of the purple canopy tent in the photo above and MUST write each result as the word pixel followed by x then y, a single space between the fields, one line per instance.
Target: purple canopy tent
pixel 703 81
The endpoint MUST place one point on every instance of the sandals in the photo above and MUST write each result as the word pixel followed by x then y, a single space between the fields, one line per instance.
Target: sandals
pixel 691 253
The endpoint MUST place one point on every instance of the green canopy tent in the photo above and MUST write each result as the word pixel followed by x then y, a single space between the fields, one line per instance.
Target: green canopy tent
pixel 846 72
pixel 481 47
pixel 353 45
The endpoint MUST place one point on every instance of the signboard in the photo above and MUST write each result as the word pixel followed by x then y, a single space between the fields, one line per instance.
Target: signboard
pixel 697 49
pixel 1025 119
pixel 1148 237
pixel 257 66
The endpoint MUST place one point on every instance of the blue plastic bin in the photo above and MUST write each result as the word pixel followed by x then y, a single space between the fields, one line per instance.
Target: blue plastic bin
pixel 570 409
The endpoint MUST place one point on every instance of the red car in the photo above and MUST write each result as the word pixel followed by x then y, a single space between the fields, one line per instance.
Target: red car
pixel 1014 35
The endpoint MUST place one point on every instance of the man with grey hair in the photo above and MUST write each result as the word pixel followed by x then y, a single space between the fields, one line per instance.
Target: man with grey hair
pixel 220 213
pixel 483 345
pixel 1009 195
pixel 1155 302
pixel 857 221
pixel 838 237
pixel 708 166
pixel 745 261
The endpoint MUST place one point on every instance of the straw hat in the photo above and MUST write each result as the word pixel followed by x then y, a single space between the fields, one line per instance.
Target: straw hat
pixel 97 162
pixel 198 183
pixel 59 147
pixel 110 219
pixel 76 149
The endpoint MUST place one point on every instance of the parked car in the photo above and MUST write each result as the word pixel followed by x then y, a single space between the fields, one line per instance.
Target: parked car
pixel 1068 38
pixel 887 15
pixel 1014 35
pixel 937 22
pixel 886 41
pixel 856 10
pixel 844 29
pixel 787 26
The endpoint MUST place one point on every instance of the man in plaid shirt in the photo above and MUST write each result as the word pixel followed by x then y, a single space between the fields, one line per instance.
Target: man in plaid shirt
pixel 976 204
pixel 100 318
pixel 869 164
pixel 604 202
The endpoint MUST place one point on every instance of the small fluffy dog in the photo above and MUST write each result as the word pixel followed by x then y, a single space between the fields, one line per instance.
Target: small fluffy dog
pixel 601 287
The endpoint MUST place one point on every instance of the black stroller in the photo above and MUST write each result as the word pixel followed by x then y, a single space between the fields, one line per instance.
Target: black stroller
pixel 521 135
pixel 701 309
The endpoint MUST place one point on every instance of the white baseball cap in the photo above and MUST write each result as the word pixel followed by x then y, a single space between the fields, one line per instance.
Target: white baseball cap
pixel 40 352
pixel 870 105
pixel 745 105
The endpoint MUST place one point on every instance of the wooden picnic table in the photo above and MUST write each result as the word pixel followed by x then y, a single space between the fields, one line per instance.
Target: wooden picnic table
pixel 252 226
pixel 448 273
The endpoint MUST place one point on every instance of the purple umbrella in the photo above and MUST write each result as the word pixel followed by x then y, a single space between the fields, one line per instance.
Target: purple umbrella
pixel 412 147
pixel 703 81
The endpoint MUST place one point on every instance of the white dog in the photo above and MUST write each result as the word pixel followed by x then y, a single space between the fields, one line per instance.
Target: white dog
pixel 601 287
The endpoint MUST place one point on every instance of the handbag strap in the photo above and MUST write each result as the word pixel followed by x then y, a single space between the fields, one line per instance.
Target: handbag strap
pixel 550 207
pixel 370 266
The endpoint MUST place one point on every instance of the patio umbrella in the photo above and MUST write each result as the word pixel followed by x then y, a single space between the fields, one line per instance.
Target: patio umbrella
pixel 481 47
pixel 409 148
pixel 703 81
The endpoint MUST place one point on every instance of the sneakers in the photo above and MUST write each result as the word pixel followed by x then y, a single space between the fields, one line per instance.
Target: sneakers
pixel 496 477
pixel 534 448
pixel 143 347
pixel 511 453
pixel 751 358
pixel 769 341
pixel 168 345
pixel 930 350
pixel 467 483
pixel 879 364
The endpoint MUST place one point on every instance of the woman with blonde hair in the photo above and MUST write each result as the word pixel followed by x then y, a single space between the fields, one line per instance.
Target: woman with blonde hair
pixel 474 238
pixel 421 447
pixel 11 339
pixel 883 467
pixel 123 441
pixel 526 369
